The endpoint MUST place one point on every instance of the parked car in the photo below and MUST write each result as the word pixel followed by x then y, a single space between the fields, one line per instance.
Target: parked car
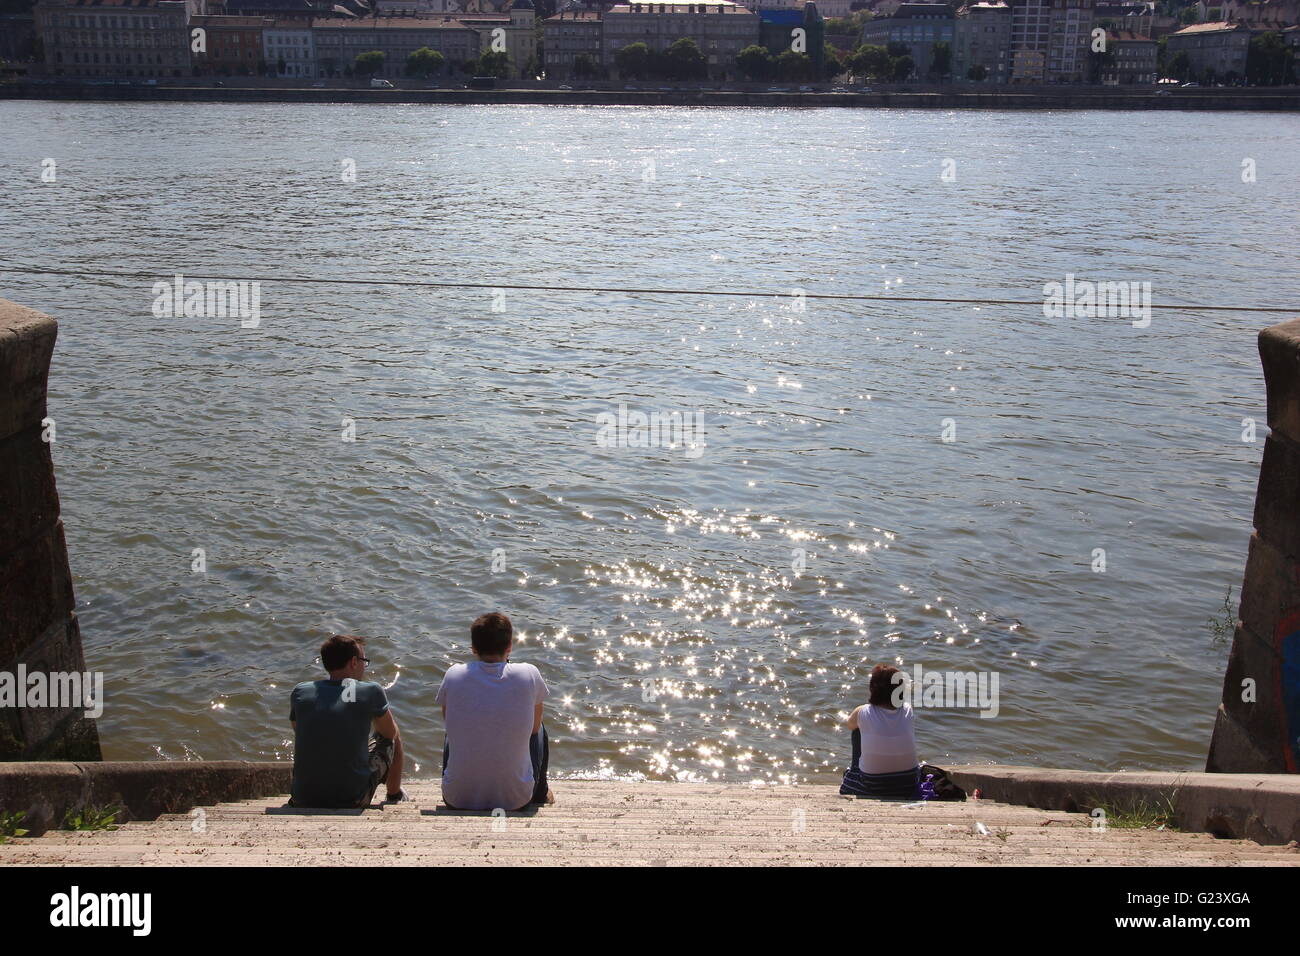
pixel 805 89
pixel 565 87
pixel 1190 85
pixel 377 84
pixel 319 84
pixel 778 89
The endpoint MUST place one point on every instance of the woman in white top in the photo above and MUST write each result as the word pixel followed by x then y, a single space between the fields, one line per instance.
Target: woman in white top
pixel 884 760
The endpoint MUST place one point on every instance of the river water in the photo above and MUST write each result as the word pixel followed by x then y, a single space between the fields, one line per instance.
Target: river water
pixel 703 612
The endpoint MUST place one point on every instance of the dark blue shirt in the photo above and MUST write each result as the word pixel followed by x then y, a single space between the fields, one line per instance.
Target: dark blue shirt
pixel 331 752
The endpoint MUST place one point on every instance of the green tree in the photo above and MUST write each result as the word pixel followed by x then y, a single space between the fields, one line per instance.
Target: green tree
pixel 902 68
pixel 584 67
pixel 941 59
pixel 832 62
pixel 793 66
pixel 685 61
pixel 1269 61
pixel 896 48
pixel 871 61
pixel 754 62
pixel 369 63
pixel 425 62
pixel 1180 65
pixel 633 61
pixel 979 73
pixel 493 64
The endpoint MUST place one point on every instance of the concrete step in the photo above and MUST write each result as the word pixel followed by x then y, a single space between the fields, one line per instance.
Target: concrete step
pixel 601 823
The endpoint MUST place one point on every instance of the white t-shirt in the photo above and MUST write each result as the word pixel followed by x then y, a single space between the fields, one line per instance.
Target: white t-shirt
pixel 489 721
pixel 888 739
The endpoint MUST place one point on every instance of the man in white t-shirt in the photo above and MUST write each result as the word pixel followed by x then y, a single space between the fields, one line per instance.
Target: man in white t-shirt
pixel 496 752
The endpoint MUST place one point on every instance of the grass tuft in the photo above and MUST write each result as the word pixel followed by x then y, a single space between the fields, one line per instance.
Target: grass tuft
pixel 92 818
pixel 9 825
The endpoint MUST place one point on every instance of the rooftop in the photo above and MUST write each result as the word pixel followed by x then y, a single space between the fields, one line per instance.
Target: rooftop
pixel 390 23
pixel 722 6
pixel 1218 26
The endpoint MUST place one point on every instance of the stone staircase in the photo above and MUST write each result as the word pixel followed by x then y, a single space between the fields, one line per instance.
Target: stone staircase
pixel 602 823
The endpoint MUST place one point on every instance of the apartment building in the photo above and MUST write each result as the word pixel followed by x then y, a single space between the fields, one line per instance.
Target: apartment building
pixel 720 28
pixel 568 35
pixel 227 46
pixel 289 48
pixel 116 38
pixel 1220 46
pixel 338 42
pixel 982 38
pixel 920 26
pixel 1031 22
pixel 1069 34
pixel 1134 60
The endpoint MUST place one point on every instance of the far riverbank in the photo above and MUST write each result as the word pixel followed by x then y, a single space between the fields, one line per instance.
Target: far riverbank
pixel 1066 98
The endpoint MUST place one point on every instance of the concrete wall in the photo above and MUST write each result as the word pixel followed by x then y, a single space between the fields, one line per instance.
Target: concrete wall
pixel 138 790
pixel 1258 725
pixel 38 624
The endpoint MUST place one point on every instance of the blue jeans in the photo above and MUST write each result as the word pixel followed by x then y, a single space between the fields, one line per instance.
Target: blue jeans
pixel 539 752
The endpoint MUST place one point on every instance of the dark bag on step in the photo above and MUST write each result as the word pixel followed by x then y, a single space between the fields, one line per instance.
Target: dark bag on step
pixel 944 788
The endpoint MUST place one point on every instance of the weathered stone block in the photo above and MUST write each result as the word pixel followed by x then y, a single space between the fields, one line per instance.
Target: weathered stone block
pixel 1271 589
pixel 1277 500
pixel 57 652
pixel 1256 707
pixel 29 502
pixel 1279 350
pixel 1233 751
pixel 35 592
pixel 26 345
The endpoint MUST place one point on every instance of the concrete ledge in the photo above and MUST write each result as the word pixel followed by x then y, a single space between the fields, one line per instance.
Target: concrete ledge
pixel 46 791
pixel 1250 806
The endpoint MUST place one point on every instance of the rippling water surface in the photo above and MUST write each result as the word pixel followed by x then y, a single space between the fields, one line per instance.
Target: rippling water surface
pixel 659 594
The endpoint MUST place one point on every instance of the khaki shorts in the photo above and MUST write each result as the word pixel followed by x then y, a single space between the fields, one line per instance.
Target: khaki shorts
pixel 381 760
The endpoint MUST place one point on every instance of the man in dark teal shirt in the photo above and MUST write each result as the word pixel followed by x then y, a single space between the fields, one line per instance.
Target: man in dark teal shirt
pixel 337 761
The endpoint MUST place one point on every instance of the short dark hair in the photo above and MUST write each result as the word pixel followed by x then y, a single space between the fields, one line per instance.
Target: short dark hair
pixel 491 633
pixel 339 649
pixel 881 685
